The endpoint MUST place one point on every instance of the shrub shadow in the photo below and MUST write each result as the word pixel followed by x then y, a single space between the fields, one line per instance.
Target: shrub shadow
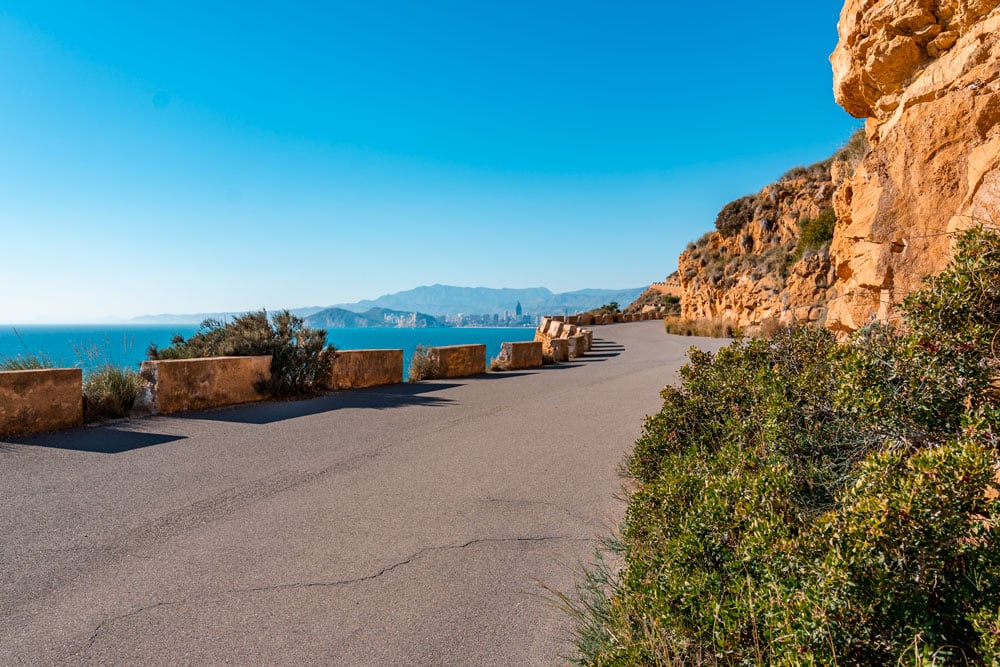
pixel 96 440
pixel 373 398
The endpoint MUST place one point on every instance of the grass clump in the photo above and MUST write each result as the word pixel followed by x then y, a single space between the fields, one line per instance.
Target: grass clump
pixel 301 360
pixel 421 366
pixel 707 328
pixel 109 391
pixel 804 501
pixel 26 362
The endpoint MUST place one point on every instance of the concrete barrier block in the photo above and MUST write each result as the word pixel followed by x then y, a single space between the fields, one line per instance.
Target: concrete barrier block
pixel 559 349
pixel 48 399
pixel 577 346
pixel 559 318
pixel 518 355
pixel 453 361
pixel 572 319
pixel 197 384
pixel 555 328
pixel 356 369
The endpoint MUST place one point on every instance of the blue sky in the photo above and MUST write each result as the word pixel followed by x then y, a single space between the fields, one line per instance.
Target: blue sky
pixel 194 157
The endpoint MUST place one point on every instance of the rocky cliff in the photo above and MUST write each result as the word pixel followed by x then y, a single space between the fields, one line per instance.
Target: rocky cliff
pixel 755 267
pixel 926 76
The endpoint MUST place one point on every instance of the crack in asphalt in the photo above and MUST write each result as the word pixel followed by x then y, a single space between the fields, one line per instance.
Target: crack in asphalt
pixel 328 584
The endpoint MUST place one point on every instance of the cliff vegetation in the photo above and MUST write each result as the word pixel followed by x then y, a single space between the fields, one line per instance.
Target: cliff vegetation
pixel 804 501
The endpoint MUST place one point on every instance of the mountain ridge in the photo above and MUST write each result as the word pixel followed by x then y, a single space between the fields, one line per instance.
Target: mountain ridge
pixel 439 300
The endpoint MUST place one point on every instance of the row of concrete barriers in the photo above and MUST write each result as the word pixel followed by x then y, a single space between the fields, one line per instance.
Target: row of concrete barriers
pixel 35 401
pixel 52 399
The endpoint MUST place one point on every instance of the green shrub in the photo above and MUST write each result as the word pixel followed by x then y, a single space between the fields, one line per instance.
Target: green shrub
pixel 804 501
pixel 301 359
pixel 421 367
pixel 815 233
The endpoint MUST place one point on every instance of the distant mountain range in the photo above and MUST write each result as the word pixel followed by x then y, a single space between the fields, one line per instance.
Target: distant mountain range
pixel 431 303
pixel 441 300
pixel 338 318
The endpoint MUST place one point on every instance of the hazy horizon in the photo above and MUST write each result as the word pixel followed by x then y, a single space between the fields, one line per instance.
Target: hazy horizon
pixel 131 319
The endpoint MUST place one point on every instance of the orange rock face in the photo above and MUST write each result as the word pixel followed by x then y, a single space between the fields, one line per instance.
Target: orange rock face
pixel 926 76
pixel 742 273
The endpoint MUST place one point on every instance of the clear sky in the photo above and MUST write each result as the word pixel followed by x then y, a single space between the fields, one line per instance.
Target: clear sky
pixel 215 156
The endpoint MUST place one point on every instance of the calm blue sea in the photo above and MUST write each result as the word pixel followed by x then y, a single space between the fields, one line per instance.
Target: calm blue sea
pixel 88 345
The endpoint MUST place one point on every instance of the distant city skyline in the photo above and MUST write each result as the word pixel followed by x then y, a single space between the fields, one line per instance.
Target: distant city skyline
pixel 227 157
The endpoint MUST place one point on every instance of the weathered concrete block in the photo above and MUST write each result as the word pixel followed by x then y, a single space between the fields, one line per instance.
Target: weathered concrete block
pixel 586 319
pixel 555 328
pixel 197 384
pixel 559 349
pixel 572 319
pixel 354 369
pixel 588 336
pixel 618 318
pixel 559 318
pixel 35 401
pixel 452 361
pixel 543 324
pixel 577 346
pixel 521 355
pixel 568 330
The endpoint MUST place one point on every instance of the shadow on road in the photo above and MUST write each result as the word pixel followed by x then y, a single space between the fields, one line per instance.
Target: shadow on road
pixel 374 398
pixel 97 440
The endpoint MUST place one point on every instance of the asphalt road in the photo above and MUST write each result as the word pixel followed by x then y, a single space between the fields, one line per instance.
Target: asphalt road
pixel 416 524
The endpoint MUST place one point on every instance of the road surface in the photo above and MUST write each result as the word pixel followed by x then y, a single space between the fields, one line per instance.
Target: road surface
pixel 415 524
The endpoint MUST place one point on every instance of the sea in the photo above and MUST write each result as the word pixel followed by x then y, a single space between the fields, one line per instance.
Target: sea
pixel 87 346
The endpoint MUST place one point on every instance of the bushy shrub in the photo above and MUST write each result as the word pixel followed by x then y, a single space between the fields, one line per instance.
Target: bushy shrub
pixel 804 501
pixel 301 359
pixel 421 367
pixel 734 216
